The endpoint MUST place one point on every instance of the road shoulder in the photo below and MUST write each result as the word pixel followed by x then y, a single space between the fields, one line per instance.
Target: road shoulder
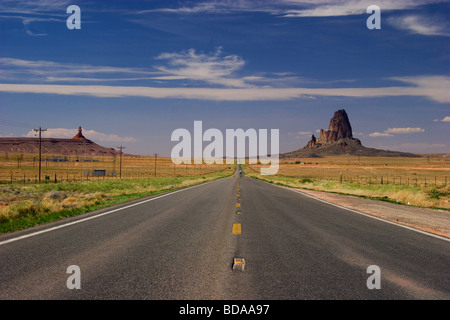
pixel 430 220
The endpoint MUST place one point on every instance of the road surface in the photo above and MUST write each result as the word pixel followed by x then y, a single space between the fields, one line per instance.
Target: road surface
pixel 183 245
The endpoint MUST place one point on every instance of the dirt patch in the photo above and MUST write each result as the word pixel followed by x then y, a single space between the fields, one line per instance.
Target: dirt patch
pixel 431 220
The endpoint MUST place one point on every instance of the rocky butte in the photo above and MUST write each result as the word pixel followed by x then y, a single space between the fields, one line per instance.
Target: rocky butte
pixel 339 140
pixel 78 145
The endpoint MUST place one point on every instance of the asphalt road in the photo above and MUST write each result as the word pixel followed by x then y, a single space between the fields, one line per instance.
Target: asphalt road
pixel 182 245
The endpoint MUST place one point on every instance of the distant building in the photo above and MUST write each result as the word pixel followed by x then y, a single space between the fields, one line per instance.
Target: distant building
pixel 99 173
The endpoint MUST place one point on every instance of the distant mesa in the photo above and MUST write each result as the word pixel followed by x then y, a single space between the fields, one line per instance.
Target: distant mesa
pixel 338 140
pixel 78 145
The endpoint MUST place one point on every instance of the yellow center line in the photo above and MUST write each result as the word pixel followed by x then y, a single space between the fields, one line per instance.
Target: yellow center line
pixel 236 228
pixel 238 205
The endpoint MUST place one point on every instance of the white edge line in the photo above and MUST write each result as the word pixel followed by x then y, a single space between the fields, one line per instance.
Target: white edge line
pixel 99 215
pixel 362 213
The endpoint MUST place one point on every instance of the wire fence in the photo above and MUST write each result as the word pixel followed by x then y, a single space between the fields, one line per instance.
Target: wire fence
pixel 412 180
pixel 18 177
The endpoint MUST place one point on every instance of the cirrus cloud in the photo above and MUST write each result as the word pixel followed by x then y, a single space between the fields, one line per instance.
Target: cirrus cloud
pixel 419 24
pixel 391 131
pixel 441 95
pixel 445 119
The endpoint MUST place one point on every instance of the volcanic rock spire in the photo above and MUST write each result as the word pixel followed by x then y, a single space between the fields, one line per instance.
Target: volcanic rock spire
pixel 339 140
pixel 338 129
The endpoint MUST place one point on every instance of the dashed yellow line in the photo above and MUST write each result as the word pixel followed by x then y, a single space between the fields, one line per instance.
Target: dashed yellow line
pixel 236 228
pixel 238 205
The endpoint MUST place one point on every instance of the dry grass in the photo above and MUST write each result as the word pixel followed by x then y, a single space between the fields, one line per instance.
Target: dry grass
pixel 419 182
pixel 23 198
pixel 75 168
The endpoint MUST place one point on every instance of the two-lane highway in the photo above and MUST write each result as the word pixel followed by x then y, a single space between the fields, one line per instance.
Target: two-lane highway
pixel 182 246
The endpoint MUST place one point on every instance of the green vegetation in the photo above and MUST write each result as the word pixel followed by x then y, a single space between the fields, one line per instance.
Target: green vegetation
pixel 27 205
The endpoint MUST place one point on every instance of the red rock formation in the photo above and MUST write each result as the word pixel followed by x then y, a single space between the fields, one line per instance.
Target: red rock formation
pixel 338 140
pixel 339 128
pixel 79 135
pixel 312 143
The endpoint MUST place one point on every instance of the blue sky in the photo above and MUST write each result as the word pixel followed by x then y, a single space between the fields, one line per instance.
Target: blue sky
pixel 138 70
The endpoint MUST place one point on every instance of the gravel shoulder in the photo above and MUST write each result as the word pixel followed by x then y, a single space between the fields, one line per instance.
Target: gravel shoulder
pixel 431 220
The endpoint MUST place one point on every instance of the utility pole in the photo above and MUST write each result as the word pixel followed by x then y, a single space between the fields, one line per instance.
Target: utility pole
pixel 120 165
pixel 40 149
pixel 156 156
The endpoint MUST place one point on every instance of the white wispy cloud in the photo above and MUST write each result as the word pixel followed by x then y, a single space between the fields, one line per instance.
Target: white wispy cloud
pixel 405 130
pixel 436 87
pixel 211 68
pixel 301 134
pixel 218 7
pixel 380 134
pixel 50 71
pixel 190 67
pixel 445 119
pixel 32 12
pixel 290 8
pixel 227 94
pixel 343 7
pixel 420 24
pixel 391 131
pixel 89 134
